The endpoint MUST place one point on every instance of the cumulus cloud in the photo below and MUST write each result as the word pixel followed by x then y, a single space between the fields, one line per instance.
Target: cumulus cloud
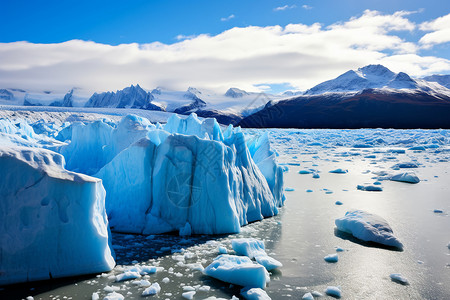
pixel 305 6
pixel 297 54
pixel 439 32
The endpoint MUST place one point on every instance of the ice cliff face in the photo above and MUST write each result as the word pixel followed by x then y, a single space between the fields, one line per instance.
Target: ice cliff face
pixel 159 178
pixel 189 173
pixel 52 222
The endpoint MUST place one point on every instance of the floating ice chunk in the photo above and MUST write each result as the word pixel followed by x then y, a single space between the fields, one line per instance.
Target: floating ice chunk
pixel 239 270
pixel 338 203
pixel 317 294
pixel 309 191
pixel 188 295
pixel 152 290
pixel 399 278
pixel 222 250
pixel 186 230
pixel 43 204
pixel 142 283
pixel 114 296
pixel 332 258
pixel 254 248
pixel 316 176
pixel 339 249
pixel 406 165
pixel 304 172
pixel 408 177
pixel 166 280
pixel 308 296
pixel 438 211
pixel 377 183
pixel 368 227
pixel 249 247
pixel 127 276
pixel 333 291
pixel 370 188
pixel 418 148
pixel 268 262
pixel 254 294
pixel 289 189
pixel 362 146
pixel 339 171
pixel 448 246
pixel 95 296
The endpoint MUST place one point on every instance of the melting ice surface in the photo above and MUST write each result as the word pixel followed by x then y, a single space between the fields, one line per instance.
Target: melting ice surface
pixel 303 232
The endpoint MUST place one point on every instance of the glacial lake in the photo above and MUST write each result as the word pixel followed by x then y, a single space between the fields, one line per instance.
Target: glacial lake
pixel 304 231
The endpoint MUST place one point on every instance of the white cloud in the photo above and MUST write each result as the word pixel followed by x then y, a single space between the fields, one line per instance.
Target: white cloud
pixel 439 32
pixel 284 7
pixel 305 6
pixel 227 18
pixel 298 54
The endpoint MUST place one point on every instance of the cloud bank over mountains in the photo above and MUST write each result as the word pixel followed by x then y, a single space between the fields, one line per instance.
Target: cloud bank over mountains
pixel 298 54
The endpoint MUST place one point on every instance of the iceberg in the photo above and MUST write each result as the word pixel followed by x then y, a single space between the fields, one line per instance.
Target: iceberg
pixel 186 173
pixel 239 270
pixel 52 222
pixel 368 227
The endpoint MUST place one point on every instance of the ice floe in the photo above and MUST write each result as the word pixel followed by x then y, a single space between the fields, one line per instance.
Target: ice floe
pixel 368 227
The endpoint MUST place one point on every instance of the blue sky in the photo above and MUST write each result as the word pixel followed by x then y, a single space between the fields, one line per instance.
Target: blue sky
pixel 116 22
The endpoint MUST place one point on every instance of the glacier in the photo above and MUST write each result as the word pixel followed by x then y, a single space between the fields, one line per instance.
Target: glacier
pixel 184 174
pixel 53 222
pixel 189 176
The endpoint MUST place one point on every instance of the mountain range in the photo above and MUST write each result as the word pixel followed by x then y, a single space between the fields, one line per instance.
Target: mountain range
pixel 371 96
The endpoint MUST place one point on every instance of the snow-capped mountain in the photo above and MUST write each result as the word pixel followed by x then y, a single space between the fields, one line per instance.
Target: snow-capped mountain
pixel 235 93
pixel 236 104
pixel 373 77
pixel 372 96
pixel 130 97
pixel 443 80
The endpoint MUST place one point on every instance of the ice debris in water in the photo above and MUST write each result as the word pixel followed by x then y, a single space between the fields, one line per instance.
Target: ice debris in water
pixel 368 227
pixel 396 277
pixel 370 188
pixel 332 258
pixel 339 171
pixel 239 270
pixel 152 290
pixel 254 294
pixel 254 248
pixel 333 291
pixel 308 296
pixel 409 177
pixel 114 296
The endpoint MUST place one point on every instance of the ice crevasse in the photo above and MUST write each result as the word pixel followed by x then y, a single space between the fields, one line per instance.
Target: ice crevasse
pixel 52 221
pixel 159 178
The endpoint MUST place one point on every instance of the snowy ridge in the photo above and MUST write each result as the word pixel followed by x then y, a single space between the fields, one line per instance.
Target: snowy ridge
pixel 377 77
